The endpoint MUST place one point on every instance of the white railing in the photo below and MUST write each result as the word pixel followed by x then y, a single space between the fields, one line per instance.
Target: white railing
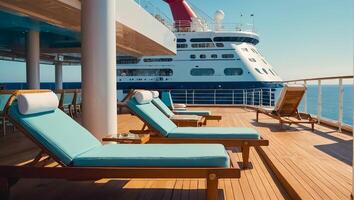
pixel 255 97
pixel 319 81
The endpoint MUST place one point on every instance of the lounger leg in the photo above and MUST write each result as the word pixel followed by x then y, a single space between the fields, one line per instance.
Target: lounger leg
pixel 313 127
pixel 4 188
pixel 212 187
pixel 245 156
pixel 257 113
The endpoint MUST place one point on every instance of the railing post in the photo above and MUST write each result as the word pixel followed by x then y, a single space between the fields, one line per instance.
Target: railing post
pixel 233 97
pixel 319 102
pixel 186 96
pixel 193 96
pixel 214 96
pixel 253 97
pixel 259 98
pixel 270 100
pixel 340 105
pixel 305 97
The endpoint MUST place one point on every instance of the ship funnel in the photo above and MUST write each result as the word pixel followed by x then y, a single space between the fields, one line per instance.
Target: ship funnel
pixel 181 11
pixel 218 18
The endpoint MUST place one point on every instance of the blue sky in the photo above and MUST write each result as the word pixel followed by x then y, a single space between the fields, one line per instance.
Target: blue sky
pixel 300 38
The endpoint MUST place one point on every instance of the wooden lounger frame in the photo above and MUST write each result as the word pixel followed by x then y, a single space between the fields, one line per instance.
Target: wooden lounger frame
pixel 288 112
pixel 72 107
pixel 9 175
pixel 244 144
pixel 2 113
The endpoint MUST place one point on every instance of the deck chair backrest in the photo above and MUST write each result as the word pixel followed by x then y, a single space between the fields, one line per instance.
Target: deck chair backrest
pixel 59 134
pixel 152 116
pixel 166 98
pixel 289 99
pixel 68 97
pixel 163 108
pixel 4 97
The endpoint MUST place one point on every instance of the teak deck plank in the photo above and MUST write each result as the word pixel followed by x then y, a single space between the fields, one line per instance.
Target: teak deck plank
pixel 298 163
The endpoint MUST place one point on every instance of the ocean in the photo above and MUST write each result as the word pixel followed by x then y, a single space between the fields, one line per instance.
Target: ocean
pixel 329 99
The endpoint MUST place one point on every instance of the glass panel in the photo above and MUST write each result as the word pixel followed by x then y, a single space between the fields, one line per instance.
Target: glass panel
pixel 233 71
pixel 202 72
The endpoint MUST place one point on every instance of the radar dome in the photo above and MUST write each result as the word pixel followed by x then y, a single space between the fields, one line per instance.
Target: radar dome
pixel 219 15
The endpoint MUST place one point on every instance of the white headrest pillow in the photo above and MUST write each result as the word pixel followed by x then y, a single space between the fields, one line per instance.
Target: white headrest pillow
pixel 37 102
pixel 143 97
pixel 155 94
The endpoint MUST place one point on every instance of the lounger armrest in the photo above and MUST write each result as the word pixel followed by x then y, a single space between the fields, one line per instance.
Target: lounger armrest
pixel 143 132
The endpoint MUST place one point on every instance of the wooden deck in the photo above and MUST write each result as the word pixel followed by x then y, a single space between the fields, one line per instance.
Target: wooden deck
pixel 297 164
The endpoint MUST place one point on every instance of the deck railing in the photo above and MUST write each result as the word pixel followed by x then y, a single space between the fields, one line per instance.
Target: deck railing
pixel 256 96
pixel 320 118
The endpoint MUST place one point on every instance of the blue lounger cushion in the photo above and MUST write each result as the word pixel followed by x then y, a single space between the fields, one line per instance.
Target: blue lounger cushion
pixel 55 130
pixel 3 100
pixel 155 155
pixel 214 132
pixel 192 112
pixel 163 108
pixel 153 116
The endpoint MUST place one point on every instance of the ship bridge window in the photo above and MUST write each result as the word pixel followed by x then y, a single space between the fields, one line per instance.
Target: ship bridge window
pixel 201 40
pixel 233 71
pixel 265 71
pixel 157 59
pixel 227 55
pixel 202 72
pixel 127 60
pixel 214 56
pixel 271 72
pixel 181 40
pixel 218 44
pixel 203 45
pixel 236 39
pixel 252 60
pixel 254 51
pixel 144 72
pixel 264 61
pixel 192 56
pixel 259 71
pixel 182 45
pixel 202 56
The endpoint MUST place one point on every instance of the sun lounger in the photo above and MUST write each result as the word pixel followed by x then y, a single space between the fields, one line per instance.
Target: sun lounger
pixel 179 120
pixel 286 108
pixel 123 104
pixel 82 157
pixel 66 101
pixel 163 130
pixel 4 97
pixel 166 98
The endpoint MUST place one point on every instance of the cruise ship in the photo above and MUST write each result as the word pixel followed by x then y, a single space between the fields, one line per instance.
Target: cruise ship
pixel 209 56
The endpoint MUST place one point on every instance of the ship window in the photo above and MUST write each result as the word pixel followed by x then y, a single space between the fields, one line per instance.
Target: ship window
pixel 127 60
pixel 181 40
pixel 202 56
pixel 254 51
pixel 180 46
pixel 252 59
pixel 245 49
pixel 219 44
pixel 264 61
pixel 202 72
pixel 192 56
pixel 203 45
pixel 227 55
pixel 233 71
pixel 236 39
pixel 144 72
pixel 201 40
pixel 271 72
pixel 258 70
pixel 157 59
pixel 265 71
pixel 214 56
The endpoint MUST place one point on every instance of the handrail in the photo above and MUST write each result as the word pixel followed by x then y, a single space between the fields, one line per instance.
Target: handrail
pixel 320 78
